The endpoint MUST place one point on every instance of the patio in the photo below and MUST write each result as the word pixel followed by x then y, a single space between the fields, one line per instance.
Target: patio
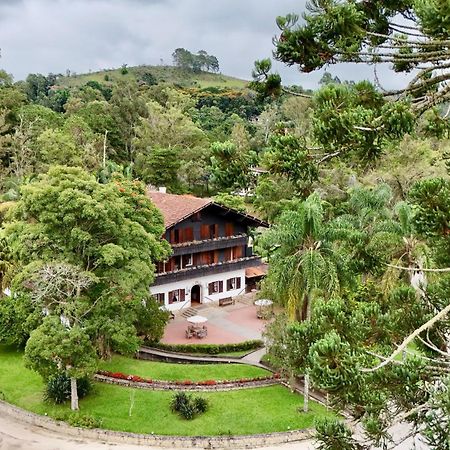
pixel 226 325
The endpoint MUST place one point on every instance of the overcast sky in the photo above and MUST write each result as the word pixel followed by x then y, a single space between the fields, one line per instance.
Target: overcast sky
pixel 41 36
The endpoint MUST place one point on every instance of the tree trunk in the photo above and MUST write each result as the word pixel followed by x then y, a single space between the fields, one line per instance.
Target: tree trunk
pixel 73 394
pixel 306 393
pixel 307 302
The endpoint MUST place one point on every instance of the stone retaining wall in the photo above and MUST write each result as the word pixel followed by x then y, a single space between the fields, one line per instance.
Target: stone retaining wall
pixel 172 386
pixel 205 442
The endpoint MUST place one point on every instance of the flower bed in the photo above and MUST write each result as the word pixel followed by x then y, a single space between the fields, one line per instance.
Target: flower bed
pixel 137 381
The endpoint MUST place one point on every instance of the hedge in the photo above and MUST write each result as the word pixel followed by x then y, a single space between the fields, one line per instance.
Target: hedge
pixel 210 349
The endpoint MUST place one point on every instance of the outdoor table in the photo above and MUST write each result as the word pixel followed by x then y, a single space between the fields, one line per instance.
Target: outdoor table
pixel 263 310
pixel 196 328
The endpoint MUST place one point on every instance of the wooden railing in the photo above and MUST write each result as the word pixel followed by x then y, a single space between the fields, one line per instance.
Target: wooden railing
pixel 206 269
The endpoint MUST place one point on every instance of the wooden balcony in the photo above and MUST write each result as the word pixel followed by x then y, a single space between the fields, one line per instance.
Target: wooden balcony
pixel 207 269
pixel 209 244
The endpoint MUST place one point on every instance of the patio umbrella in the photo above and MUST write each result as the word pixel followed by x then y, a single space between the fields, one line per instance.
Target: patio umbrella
pixel 263 302
pixel 197 319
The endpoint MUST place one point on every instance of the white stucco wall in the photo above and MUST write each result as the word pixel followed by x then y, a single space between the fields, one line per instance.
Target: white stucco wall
pixel 203 283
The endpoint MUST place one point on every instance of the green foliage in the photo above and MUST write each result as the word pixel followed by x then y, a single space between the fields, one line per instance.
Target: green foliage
pixel 84 421
pixel 196 62
pixel 431 200
pixel 333 434
pixel 151 320
pixel 230 166
pixel 435 124
pixel 52 349
pixel 301 257
pixel 159 167
pixel 110 230
pixel 287 156
pixel 273 195
pixel 337 32
pixel 211 349
pixel 230 201
pixel 57 389
pixel 187 405
pixel 19 316
pixel 355 118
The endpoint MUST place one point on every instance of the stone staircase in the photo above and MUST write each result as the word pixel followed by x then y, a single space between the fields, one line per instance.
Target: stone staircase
pixel 189 312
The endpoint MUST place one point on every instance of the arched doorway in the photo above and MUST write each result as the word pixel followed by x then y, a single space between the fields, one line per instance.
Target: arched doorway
pixel 196 295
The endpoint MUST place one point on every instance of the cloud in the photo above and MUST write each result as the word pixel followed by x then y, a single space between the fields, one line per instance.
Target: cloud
pixel 41 36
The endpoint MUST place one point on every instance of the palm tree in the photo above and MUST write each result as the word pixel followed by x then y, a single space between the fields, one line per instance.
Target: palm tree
pixel 303 262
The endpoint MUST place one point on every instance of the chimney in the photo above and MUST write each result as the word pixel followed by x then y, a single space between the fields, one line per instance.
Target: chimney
pixel 162 189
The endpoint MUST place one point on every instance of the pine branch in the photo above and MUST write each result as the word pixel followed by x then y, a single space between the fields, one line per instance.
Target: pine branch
pixel 440 315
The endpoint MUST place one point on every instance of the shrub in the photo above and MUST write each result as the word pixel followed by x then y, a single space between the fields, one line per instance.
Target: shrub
pixel 210 349
pixel 178 400
pixel 83 421
pixel 58 388
pixel 200 404
pixel 188 406
pixel 106 77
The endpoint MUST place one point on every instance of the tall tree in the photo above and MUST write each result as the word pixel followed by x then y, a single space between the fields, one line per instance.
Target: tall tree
pixel 303 262
pixel 109 230
pixel 405 34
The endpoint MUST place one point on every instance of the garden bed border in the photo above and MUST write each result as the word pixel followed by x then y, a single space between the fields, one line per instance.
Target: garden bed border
pixel 209 442
pixel 188 385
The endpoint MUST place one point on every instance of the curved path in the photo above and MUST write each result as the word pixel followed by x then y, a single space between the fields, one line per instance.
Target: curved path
pixel 188 358
pixel 15 435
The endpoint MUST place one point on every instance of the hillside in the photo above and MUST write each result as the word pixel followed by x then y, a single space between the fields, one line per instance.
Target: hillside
pixel 162 74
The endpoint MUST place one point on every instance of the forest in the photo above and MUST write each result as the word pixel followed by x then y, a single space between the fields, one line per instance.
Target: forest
pixel 353 178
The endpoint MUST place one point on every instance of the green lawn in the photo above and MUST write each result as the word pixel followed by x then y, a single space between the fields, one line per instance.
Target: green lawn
pixel 172 372
pixel 248 411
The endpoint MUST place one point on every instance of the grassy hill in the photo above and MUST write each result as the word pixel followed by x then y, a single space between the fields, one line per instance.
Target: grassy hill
pixel 163 74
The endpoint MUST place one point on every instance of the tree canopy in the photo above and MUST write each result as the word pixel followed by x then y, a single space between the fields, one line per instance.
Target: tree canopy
pixel 405 34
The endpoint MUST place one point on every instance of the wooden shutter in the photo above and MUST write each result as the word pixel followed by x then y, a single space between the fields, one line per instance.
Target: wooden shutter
pixel 227 254
pixel 220 286
pixel 188 234
pixel 216 256
pixel 172 236
pixel 210 288
pixel 238 282
pixel 216 230
pixel 237 252
pixel 170 266
pixel 229 229
pixel 197 259
pixel 204 231
pixel 182 295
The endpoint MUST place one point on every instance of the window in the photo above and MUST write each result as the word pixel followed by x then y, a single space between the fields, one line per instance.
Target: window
pixel 215 287
pixel 187 260
pixel 233 283
pixel 209 231
pixel 213 231
pixel 161 267
pixel 160 298
pixel 178 295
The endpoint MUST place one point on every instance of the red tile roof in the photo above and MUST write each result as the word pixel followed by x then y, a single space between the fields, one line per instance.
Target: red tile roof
pixel 175 208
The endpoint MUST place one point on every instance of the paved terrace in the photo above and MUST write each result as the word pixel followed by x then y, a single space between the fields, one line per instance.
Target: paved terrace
pixel 226 324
